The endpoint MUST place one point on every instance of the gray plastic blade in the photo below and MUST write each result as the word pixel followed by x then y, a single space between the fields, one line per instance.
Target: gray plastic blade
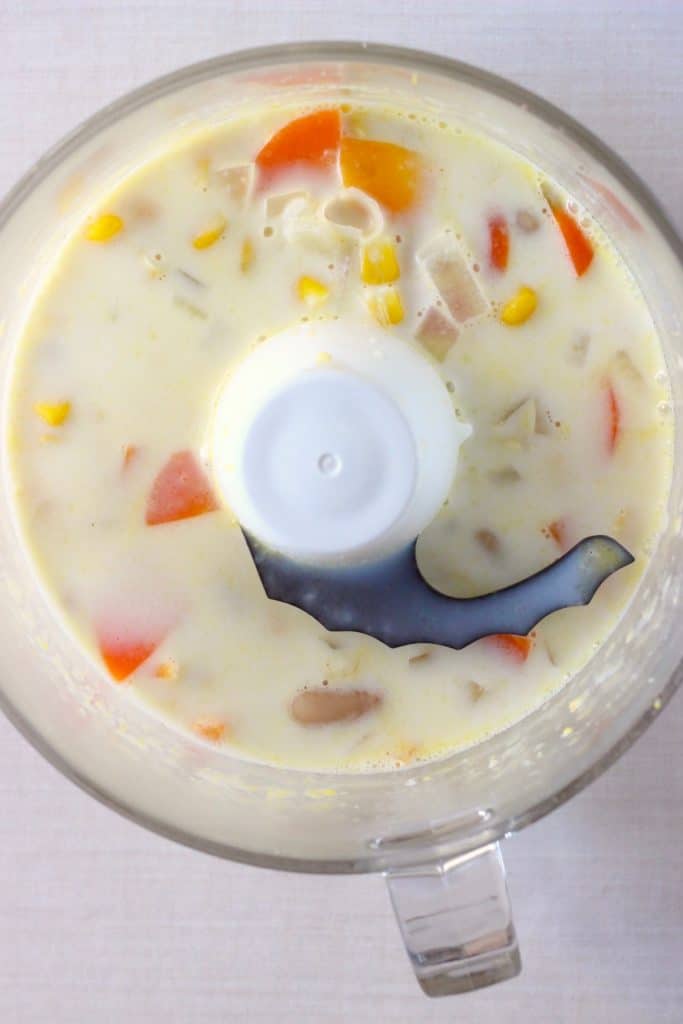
pixel 391 601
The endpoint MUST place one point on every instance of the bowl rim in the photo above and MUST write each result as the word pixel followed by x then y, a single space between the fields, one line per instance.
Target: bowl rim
pixel 416 60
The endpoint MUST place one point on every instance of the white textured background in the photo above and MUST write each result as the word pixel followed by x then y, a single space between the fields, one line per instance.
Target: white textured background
pixel 101 922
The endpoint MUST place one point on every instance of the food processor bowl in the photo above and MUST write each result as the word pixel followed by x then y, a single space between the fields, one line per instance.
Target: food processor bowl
pixel 432 828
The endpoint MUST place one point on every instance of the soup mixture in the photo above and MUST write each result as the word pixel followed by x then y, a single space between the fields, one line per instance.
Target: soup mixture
pixel 450 244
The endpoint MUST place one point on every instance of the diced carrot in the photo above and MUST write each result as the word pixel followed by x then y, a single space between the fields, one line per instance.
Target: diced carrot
pixel 518 648
pixel 579 246
pixel 388 173
pixel 612 417
pixel 122 655
pixel 312 140
pixel 499 242
pixel 180 491
pixel 559 532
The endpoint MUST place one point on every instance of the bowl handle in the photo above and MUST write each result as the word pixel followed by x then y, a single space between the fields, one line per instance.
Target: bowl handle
pixel 456 921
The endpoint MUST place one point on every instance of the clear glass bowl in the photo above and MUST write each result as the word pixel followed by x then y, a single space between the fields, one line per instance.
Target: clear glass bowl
pixel 432 828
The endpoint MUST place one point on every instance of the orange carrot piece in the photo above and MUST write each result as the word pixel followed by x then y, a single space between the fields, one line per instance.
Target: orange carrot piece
pixel 210 729
pixel 130 452
pixel 123 655
pixel 388 173
pixel 180 491
pixel 559 532
pixel 312 140
pixel 499 242
pixel 612 417
pixel 518 648
pixel 579 246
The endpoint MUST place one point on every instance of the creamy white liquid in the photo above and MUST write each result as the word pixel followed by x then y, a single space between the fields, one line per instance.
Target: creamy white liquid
pixel 138 333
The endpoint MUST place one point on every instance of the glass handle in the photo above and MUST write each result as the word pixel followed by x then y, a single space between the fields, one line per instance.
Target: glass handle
pixel 456 921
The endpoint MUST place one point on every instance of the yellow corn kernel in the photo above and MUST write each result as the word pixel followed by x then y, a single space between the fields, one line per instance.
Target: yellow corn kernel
pixel 379 264
pixel 520 307
pixel 246 255
pixel 210 235
pixel 53 413
pixel 386 307
pixel 104 228
pixel 312 292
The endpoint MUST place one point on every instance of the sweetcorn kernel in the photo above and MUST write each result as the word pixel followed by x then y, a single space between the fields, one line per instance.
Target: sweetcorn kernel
pixel 205 239
pixel 312 292
pixel 53 413
pixel 246 255
pixel 379 264
pixel 104 228
pixel 520 307
pixel 386 307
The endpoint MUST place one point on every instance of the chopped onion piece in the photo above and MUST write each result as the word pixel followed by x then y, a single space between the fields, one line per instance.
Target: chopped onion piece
pixel 354 213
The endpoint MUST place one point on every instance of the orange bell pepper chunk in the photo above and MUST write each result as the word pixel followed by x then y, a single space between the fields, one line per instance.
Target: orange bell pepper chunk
pixel 388 173
pixel 612 417
pixel 499 242
pixel 579 246
pixel 312 140
pixel 180 491
pixel 518 648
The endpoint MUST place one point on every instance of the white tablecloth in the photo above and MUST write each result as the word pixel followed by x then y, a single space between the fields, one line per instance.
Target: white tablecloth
pixel 101 922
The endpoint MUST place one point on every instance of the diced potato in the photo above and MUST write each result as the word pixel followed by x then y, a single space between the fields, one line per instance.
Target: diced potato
pixel 527 221
pixel 104 228
pixel 386 307
pixel 238 181
pixel 211 234
pixel 622 365
pixel 189 292
pixel 437 333
pixel 53 413
pixel 476 691
pixel 301 226
pixel 488 540
pixel 322 706
pixel 504 476
pixel 519 423
pixel 520 307
pixel 455 282
pixel 379 264
pixel 311 291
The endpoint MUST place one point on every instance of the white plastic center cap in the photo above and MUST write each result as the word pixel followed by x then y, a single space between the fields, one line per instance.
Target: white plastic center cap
pixel 330 441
